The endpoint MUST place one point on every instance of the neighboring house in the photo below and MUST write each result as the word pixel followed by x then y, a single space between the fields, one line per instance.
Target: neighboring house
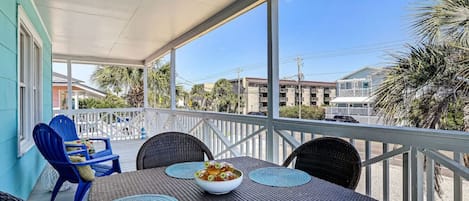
pixel 26 91
pixel 79 91
pixel 254 92
pixel 354 95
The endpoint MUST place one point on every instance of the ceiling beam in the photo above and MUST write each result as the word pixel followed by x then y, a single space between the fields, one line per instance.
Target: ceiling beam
pixel 97 60
pixel 230 12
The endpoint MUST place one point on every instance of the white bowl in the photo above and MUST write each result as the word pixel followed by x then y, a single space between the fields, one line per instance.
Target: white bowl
pixel 220 187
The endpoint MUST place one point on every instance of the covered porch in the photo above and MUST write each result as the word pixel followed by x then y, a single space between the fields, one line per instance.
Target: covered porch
pixel 393 157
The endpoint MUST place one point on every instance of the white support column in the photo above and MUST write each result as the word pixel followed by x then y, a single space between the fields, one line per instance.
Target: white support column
pixel 69 87
pixel 173 79
pixel 272 79
pixel 145 87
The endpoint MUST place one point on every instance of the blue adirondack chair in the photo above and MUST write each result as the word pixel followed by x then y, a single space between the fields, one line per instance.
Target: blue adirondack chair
pixel 52 147
pixel 65 127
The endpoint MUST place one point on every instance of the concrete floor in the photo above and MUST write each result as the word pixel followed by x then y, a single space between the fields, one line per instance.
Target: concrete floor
pixel 127 150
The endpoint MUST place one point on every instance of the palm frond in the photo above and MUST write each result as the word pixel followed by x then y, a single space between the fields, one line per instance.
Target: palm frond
pixel 447 20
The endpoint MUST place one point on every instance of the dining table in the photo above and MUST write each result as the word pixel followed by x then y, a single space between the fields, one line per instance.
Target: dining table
pixel 156 181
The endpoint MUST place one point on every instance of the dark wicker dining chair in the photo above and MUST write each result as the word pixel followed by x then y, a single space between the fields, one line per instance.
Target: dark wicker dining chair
pixel 8 197
pixel 332 159
pixel 171 147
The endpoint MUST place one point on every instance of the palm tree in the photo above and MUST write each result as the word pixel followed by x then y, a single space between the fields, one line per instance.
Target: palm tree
pixel 159 85
pixel 421 87
pixel 128 82
pixel 224 96
pixel 200 98
pixel 427 74
pixel 446 22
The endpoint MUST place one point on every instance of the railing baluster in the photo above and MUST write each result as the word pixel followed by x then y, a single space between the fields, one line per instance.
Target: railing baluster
pixel 232 135
pixel 253 142
pixel 302 138
pixel 248 146
pixel 405 176
pixel 457 183
pixel 430 168
pixel 416 174
pixel 368 168
pixel 259 137
pixel 385 175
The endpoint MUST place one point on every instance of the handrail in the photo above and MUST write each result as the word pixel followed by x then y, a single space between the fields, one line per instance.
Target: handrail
pixel 457 141
pixel 229 135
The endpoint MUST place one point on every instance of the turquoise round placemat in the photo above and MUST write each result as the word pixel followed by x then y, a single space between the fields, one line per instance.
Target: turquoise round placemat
pixel 147 197
pixel 184 170
pixel 279 176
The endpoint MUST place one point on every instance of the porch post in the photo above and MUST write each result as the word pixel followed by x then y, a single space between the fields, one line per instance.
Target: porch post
pixel 173 79
pixel 272 79
pixel 69 87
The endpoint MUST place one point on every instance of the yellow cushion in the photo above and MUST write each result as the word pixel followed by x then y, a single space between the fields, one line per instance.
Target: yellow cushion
pixel 86 172
pixel 86 142
pixel 74 142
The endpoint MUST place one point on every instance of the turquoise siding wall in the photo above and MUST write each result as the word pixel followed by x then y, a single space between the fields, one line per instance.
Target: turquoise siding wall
pixel 18 175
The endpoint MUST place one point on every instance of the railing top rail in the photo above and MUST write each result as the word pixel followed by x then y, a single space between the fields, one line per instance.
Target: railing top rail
pixel 248 119
pixel 99 110
pixel 424 138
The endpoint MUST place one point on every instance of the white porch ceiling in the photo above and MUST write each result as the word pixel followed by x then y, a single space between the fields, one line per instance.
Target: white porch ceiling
pixel 131 31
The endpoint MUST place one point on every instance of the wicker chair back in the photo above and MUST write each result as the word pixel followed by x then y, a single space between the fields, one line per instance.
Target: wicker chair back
pixel 332 159
pixel 171 147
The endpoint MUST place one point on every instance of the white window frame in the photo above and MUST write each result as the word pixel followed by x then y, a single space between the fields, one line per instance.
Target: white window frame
pixel 33 93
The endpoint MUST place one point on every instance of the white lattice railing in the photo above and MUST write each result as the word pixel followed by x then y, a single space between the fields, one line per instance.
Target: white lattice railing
pixel 117 124
pixel 393 158
pixel 360 111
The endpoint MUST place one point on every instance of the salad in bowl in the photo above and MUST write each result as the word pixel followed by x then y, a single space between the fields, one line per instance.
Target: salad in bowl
pixel 218 177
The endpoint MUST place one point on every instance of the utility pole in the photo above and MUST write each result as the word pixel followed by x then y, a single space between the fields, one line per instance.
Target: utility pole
pixel 299 63
pixel 239 91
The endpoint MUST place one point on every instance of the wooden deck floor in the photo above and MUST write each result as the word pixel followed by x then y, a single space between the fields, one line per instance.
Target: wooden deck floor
pixel 127 150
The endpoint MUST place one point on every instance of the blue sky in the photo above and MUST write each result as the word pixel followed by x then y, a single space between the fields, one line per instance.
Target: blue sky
pixel 334 38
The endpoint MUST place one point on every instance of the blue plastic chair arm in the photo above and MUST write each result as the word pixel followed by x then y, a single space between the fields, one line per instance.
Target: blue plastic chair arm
pixel 76 145
pixel 106 140
pixel 97 160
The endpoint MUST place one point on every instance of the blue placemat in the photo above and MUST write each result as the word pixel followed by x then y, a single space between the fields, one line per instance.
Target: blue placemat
pixel 147 197
pixel 279 176
pixel 184 170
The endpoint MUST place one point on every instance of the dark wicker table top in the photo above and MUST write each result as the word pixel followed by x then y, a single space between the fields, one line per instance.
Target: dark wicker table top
pixel 155 181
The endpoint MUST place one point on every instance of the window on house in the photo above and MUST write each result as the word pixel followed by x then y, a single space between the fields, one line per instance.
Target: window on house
pixel 365 85
pixel 348 85
pixel 29 82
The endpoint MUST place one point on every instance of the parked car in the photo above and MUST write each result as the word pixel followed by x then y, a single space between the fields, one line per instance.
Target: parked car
pixel 343 118
pixel 257 113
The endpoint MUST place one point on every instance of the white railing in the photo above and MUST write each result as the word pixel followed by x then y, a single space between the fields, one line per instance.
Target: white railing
pixel 359 92
pixel 395 155
pixel 361 111
pixel 117 124
pixel 393 158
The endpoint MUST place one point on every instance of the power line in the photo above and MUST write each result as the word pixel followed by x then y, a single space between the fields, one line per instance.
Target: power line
pixel 326 54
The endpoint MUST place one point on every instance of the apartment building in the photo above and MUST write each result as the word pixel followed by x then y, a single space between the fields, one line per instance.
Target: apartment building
pixel 355 95
pixel 254 93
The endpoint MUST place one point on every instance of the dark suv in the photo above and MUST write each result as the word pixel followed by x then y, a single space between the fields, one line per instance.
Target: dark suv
pixel 343 118
pixel 257 113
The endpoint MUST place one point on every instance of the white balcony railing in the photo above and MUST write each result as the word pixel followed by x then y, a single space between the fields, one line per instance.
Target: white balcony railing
pixel 117 124
pixel 360 111
pixel 393 158
pixel 358 92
